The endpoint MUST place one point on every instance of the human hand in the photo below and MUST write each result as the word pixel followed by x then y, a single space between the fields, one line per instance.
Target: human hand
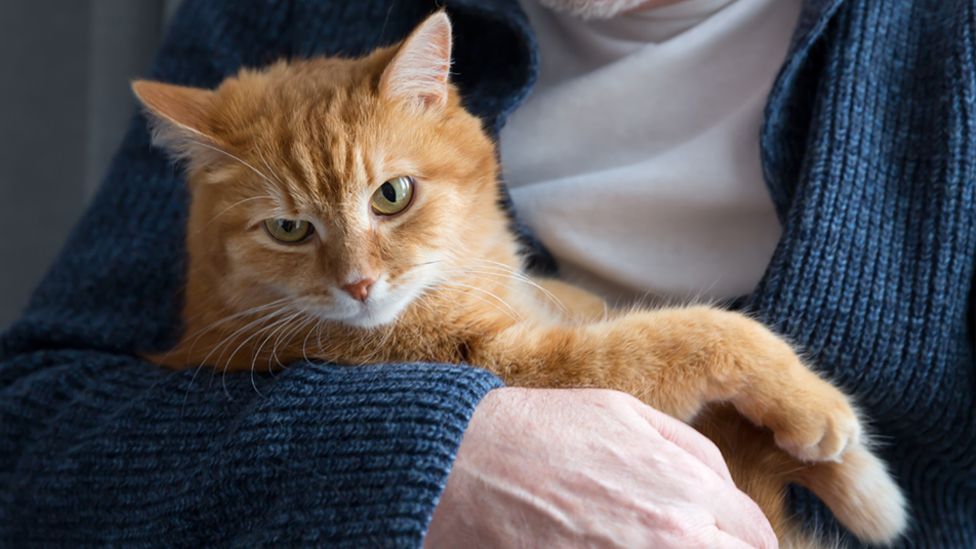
pixel 558 468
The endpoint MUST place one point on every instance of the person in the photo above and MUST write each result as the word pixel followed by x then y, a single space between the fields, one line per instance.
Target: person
pixel 637 162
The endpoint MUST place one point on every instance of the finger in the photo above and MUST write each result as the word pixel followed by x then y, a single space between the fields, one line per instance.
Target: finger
pixel 686 438
pixel 724 540
pixel 741 518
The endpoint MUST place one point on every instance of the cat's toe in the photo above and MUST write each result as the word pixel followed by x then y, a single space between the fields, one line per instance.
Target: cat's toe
pixel 821 434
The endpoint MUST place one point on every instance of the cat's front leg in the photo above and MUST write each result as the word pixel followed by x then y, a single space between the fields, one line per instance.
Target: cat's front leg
pixel 678 360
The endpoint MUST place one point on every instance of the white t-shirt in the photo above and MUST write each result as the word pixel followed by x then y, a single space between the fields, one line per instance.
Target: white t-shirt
pixel 636 158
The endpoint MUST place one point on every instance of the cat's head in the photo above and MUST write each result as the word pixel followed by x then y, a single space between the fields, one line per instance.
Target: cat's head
pixel 345 187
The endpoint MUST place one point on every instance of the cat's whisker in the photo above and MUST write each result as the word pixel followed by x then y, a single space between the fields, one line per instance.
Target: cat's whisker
pixel 379 348
pixel 315 326
pixel 513 313
pixel 270 169
pixel 271 330
pixel 257 333
pixel 273 359
pixel 500 269
pixel 227 364
pixel 229 155
pixel 232 206
pixel 303 317
pixel 281 190
pixel 546 294
pixel 425 263
pixel 280 330
pixel 445 288
pixel 240 331
pixel 202 331
pixel 524 278
pixel 186 394
pixel 245 312
pixel 253 310
pixel 318 335
pixel 227 340
pixel 309 329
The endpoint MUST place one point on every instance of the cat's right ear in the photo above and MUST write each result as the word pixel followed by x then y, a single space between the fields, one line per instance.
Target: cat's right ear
pixel 181 116
pixel 419 71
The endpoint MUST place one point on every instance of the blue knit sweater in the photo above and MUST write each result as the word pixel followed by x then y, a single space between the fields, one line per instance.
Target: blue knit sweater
pixel 868 149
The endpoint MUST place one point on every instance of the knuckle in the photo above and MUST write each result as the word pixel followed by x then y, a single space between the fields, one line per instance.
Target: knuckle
pixel 702 537
pixel 616 396
pixel 677 524
pixel 614 399
pixel 711 450
pixel 596 394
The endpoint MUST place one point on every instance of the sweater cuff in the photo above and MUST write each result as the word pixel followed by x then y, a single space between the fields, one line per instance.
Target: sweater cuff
pixel 393 436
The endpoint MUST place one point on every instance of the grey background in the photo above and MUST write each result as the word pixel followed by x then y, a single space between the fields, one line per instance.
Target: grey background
pixel 64 105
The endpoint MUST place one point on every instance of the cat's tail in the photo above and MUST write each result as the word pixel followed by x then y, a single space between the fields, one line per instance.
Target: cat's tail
pixel 861 494
pixel 859 491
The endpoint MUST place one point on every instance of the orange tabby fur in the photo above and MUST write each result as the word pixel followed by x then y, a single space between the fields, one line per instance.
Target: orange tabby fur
pixel 314 139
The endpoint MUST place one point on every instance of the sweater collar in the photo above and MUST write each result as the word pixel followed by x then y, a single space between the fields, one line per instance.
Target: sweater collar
pixel 778 127
pixel 813 18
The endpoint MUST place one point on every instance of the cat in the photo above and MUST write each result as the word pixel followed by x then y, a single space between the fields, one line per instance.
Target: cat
pixel 347 210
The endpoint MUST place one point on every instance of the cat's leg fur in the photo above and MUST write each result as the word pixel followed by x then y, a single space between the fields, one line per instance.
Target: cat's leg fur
pixel 678 360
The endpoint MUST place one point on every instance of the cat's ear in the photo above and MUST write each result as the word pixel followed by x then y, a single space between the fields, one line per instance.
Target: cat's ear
pixel 419 71
pixel 181 116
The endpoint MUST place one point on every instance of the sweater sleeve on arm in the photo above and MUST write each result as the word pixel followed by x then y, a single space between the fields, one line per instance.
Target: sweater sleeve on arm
pixel 98 447
pixel 101 449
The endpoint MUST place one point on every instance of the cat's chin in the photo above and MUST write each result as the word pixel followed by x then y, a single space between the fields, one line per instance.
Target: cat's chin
pixel 365 318
pixel 373 315
pixel 372 319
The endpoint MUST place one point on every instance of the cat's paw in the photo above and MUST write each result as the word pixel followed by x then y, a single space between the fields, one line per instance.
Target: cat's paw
pixel 816 422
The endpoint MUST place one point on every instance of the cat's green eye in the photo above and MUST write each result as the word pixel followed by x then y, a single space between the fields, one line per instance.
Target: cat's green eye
pixel 393 196
pixel 289 231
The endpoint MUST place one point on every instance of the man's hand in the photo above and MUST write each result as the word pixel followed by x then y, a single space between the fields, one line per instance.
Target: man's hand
pixel 561 468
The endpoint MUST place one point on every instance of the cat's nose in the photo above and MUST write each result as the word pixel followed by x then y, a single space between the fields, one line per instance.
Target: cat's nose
pixel 359 290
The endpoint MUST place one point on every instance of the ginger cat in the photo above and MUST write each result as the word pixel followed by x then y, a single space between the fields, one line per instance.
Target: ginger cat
pixel 347 210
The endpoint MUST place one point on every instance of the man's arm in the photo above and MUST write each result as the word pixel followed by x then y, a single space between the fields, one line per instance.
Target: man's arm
pixel 101 449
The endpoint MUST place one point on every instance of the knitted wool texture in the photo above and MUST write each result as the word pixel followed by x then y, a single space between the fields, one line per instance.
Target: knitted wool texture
pixel 868 150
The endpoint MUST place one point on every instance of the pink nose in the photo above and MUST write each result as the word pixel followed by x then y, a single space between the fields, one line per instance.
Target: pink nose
pixel 359 290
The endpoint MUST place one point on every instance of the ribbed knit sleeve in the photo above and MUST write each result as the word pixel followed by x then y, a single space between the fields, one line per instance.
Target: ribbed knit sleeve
pixel 99 447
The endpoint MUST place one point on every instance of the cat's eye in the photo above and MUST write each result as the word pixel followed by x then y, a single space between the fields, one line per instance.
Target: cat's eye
pixel 289 231
pixel 393 196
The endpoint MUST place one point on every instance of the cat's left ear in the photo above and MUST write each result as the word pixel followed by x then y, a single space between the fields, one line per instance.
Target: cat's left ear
pixel 181 116
pixel 419 71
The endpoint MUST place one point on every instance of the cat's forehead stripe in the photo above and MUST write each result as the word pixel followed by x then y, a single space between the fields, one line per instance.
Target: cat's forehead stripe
pixel 303 157
pixel 359 165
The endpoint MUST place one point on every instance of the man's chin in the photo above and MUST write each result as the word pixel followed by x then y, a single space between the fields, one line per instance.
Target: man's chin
pixel 597 9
